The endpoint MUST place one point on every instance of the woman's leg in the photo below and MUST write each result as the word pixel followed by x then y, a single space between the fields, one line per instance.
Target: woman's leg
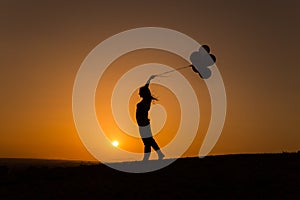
pixel 157 149
pixel 148 140
pixel 145 131
pixel 147 150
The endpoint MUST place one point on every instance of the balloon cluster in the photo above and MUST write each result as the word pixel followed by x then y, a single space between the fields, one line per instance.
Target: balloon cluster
pixel 201 60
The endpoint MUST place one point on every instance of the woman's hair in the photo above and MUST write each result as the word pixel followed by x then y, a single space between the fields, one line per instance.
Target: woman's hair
pixel 146 94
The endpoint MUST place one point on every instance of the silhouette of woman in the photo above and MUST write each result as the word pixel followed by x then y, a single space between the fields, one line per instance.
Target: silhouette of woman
pixel 143 121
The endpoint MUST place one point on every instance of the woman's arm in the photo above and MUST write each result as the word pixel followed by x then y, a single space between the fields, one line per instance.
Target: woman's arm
pixel 151 77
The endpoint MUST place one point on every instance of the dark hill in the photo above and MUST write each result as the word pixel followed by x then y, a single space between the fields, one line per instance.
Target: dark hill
pixel 258 176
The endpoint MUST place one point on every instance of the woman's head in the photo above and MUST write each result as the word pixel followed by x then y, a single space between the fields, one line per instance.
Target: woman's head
pixel 145 93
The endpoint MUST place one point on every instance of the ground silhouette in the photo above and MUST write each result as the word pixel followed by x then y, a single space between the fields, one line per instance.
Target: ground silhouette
pixel 257 176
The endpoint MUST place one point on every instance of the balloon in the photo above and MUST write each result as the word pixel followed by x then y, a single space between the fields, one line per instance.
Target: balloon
pixel 205 73
pixel 206 47
pixel 201 60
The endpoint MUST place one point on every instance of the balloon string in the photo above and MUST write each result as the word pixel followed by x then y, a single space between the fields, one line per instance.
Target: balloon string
pixel 173 70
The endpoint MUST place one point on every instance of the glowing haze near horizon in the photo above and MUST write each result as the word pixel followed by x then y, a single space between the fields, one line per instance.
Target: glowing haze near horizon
pixel 43 44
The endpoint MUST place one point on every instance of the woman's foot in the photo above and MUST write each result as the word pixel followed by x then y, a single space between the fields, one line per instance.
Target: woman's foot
pixel 160 155
pixel 146 156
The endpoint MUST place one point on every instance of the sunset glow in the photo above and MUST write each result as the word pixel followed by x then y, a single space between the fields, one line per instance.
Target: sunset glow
pixel 115 143
pixel 44 44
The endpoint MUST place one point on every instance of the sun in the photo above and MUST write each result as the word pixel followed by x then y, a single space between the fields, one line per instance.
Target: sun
pixel 115 143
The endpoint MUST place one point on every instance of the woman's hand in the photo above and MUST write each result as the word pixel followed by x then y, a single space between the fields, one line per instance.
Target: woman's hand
pixel 151 77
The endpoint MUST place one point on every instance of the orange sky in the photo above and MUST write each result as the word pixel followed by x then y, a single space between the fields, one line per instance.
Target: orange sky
pixel 43 44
